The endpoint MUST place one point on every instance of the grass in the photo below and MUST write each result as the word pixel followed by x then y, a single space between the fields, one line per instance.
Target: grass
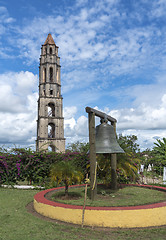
pixel 18 224
pixel 128 196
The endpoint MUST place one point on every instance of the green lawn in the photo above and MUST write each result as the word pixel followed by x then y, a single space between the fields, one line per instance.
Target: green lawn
pixel 18 224
pixel 128 196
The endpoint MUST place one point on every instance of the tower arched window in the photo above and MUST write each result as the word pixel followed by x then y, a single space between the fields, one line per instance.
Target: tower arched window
pixel 51 148
pixel 51 110
pixel 44 75
pixel 51 74
pixel 57 74
pixel 50 50
pixel 51 130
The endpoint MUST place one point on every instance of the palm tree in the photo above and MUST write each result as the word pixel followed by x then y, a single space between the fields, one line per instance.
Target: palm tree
pixel 160 150
pixel 127 165
pixel 66 172
pixel 159 155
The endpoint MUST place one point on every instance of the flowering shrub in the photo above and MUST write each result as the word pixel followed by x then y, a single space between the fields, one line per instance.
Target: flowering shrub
pixel 21 164
pixel 24 164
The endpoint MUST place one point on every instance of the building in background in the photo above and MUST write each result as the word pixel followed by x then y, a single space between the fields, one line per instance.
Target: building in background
pixel 50 123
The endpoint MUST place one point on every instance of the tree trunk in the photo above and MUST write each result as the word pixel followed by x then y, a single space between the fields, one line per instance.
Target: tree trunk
pixel 66 189
pixel 113 172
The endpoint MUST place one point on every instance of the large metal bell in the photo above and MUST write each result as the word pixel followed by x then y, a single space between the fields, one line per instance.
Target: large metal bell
pixel 106 140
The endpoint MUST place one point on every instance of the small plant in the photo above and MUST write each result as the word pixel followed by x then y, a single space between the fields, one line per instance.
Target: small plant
pixel 66 172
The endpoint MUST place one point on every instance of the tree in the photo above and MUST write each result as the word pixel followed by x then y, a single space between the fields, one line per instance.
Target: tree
pixel 146 157
pixel 78 147
pixel 128 163
pixel 160 150
pixel 129 143
pixel 127 167
pixel 66 172
pixel 159 155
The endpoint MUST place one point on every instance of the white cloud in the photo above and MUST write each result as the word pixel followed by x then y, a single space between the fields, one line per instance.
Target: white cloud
pixel 81 2
pixel 8 101
pixel 14 90
pixel 69 125
pixel 69 112
pixel 81 126
pixel 87 37
pixel 147 110
pixel 18 108
pixel 77 79
pixel 5 21
pixel 92 34
pixel 159 8
pixel 146 138
pixel 76 130
pixel 75 33
pixel 4 16
pixel 18 128
pixel 145 118
pixel 32 102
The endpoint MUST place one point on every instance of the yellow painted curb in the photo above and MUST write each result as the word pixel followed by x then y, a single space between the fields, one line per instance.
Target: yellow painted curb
pixel 122 217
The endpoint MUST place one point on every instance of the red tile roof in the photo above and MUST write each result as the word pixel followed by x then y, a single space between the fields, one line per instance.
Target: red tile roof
pixel 49 40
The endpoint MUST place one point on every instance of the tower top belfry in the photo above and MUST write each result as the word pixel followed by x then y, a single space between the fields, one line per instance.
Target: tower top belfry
pixel 50 123
pixel 49 40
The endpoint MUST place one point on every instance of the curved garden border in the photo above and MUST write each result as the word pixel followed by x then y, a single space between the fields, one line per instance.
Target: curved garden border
pixel 123 217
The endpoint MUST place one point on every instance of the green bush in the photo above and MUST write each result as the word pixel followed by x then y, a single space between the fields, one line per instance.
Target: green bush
pixel 24 164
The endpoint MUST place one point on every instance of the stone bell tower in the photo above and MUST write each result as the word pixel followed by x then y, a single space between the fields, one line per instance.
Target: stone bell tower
pixel 50 123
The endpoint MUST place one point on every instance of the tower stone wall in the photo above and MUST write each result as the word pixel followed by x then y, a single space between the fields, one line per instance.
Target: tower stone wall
pixel 50 123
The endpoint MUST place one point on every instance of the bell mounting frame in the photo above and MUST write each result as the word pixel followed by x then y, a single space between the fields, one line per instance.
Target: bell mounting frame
pixel 91 118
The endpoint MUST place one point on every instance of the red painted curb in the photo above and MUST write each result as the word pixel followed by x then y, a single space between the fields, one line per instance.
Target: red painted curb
pixel 40 197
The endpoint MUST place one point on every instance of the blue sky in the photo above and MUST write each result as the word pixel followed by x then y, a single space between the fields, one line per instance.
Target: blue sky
pixel 113 58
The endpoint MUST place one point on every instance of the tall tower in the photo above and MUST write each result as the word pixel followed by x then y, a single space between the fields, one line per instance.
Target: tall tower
pixel 50 123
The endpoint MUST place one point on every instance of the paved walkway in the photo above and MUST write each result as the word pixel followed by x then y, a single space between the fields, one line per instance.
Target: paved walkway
pixel 22 186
